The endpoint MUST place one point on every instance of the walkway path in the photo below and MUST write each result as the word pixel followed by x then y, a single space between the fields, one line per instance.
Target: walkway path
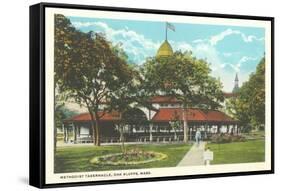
pixel 194 157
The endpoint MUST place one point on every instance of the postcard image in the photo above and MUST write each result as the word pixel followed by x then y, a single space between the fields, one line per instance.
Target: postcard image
pixel 133 95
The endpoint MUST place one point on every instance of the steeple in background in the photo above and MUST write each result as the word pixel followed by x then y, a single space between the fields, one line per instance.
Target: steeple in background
pixel 236 84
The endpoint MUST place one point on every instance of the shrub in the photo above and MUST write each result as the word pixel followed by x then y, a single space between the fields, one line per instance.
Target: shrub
pixel 226 138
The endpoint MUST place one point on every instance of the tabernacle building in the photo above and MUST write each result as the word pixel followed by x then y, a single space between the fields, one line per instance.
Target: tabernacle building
pixel 153 125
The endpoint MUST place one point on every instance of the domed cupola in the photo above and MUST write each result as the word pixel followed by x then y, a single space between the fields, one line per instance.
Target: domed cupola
pixel 165 50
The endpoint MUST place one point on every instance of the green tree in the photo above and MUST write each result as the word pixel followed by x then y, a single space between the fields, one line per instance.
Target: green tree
pixel 89 69
pixel 185 77
pixel 175 124
pixel 126 99
pixel 249 104
pixel 61 113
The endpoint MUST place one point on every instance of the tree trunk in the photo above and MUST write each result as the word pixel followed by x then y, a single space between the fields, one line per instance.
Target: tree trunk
pixel 122 139
pixel 185 124
pixel 93 132
pixel 93 127
pixel 97 126
pixel 97 135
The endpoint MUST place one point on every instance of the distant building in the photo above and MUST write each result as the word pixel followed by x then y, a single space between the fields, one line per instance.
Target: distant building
pixel 230 95
pixel 236 84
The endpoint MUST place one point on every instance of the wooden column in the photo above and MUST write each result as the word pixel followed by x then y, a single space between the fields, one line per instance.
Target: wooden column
pixel 67 135
pixel 76 133
pixel 219 127
pixel 205 131
pixel 150 132
pixel 150 126
pixel 227 128
pixel 190 130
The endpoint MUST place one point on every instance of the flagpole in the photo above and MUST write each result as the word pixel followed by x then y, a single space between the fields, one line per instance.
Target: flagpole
pixel 166 31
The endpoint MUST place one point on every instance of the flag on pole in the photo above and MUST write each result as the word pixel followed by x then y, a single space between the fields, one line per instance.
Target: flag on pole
pixel 170 26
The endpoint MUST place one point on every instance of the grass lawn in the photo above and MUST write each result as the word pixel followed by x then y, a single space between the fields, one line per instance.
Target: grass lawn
pixel 238 152
pixel 77 159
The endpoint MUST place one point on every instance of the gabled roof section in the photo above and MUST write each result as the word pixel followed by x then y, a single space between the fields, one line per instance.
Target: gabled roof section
pixel 170 114
pixel 84 117
pixel 217 116
pixel 192 114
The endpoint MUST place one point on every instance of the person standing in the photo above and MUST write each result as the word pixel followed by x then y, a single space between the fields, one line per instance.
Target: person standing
pixel 197 136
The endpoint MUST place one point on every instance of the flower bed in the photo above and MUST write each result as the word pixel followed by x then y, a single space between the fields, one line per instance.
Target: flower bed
pixel 132 157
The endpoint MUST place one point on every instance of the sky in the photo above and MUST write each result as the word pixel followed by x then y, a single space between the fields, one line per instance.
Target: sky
pixel 228 49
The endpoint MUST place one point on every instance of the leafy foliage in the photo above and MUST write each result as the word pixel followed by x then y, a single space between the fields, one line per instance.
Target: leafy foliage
pixel 249 104
pixel 184 77
pixel 90 70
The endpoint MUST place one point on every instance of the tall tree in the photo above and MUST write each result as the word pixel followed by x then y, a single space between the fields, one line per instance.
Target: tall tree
pixel 126 99
pixel 249 104
pixel 89 69
pixel 185 77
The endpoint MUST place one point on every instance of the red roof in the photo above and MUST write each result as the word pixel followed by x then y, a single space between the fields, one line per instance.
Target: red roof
pixel 213 115
pixel 167 114
pixel 164 99
pixel 113 116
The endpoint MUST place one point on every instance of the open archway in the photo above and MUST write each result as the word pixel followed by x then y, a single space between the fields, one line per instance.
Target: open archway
pixel 134 116
pixel 136 125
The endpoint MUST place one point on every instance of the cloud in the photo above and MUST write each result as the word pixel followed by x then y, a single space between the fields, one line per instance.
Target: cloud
pixel 138 47
pixel 222 63
pixel 246 59
pixel 199 41
pixel 135 45
pixel 215 39
pixel 210 53
pixel 219 37
pixel 243 60
pixel 182 46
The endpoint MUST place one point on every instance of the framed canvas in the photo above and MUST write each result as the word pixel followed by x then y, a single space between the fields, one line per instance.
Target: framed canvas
pixel 128 95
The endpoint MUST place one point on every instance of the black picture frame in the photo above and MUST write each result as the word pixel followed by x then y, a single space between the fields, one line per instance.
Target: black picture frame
pixel 37 94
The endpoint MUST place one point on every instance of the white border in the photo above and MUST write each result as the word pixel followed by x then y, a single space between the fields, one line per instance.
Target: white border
pixel 52 178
